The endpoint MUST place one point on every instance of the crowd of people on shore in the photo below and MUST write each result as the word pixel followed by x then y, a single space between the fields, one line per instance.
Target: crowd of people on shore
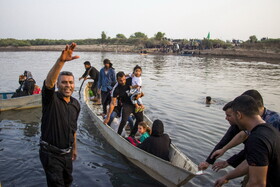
pixel 120 96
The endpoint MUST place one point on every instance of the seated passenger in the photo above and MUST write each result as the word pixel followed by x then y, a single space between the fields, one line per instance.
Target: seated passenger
pixel 27 84
pixel 144 130
pixel 158 143
pixel 37 89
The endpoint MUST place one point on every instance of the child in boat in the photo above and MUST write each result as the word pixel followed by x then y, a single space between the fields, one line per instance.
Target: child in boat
pixel 144 130
pixel 135 92
pixel 37 89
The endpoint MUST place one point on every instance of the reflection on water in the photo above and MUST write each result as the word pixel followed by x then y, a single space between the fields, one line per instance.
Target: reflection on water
pixel 30 118
pixel 175 88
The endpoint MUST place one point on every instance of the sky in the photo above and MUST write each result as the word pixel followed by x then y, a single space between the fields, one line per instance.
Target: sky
pixel 178 19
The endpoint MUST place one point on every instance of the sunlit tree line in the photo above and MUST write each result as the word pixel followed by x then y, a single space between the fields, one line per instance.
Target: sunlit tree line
pixel 141 39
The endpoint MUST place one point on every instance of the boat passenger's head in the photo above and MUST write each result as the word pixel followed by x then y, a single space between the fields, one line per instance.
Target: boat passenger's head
pixel 229 114
pixel 28 75
pixel 143 127
pixel 157 129
pixel 121 78
pixel 258 98
pixel 65 83
pixel 87 64
pixel 137 71
pixel 107 63
pixel 244 107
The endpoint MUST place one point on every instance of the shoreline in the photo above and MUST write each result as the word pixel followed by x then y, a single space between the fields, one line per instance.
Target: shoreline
pixel 256 55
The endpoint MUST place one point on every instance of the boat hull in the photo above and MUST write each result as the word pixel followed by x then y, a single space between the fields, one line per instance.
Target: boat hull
pixel 177 172
pixel 20 103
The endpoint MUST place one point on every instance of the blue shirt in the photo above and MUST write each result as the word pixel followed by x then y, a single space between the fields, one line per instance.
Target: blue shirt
pixel 144 136
pixel 272 118
pixel 106 81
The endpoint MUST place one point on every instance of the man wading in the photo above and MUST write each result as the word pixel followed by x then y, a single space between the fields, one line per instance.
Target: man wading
pixel 59 123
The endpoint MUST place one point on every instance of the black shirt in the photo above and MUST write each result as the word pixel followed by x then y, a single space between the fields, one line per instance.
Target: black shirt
pixel 120 92
pixel 158 143
pixel 263 149
pixel 93 73
pixel 231 132
pixel 59 120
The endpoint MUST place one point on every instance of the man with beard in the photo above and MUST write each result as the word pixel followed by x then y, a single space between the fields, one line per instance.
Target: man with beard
pixel 59 122
pixel 93 73
pixel 120 92
pixel 229 135
pixel 261 149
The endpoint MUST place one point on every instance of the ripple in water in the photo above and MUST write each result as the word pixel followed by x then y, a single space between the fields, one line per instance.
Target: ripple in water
pixel 175 89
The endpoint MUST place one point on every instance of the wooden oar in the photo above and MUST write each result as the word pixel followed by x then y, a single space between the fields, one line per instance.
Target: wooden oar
pixel 81 89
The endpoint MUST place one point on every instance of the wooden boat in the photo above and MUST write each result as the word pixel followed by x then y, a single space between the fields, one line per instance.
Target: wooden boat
pixel 19 103
pixel 177 172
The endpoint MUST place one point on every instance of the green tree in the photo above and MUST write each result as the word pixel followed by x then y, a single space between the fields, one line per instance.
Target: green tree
pixel 120 36
pixel 253 39
pixel 139 35
pixel 159 36
pixel 103 36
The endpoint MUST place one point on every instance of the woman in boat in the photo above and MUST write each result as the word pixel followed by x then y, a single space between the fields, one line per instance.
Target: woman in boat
pixel 158 143
pixel 27 84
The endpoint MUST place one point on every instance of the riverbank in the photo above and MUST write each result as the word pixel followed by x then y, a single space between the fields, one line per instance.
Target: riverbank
pixel 258 55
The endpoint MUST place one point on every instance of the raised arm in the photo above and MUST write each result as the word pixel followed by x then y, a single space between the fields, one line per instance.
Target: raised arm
pixel 238 139
pixel 65 56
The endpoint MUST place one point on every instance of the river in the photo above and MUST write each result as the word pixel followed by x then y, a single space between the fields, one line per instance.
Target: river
pixel 175 88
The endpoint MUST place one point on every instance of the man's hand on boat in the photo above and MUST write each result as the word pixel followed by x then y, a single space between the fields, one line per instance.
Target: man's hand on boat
pixel 203 166
pixel 66 54
pixel 220 165
pixel 106 120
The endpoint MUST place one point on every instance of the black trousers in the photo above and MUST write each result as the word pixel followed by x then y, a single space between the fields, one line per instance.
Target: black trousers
pixel 58 168
pixel 94 89
pixel 106 99
pixel 126 111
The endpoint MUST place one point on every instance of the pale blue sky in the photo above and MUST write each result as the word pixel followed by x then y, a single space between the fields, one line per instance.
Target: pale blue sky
pixel 80 19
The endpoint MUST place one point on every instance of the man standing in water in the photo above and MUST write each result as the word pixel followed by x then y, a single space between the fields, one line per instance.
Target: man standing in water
pixel 231 132
pixel 262 147
pixel 59 123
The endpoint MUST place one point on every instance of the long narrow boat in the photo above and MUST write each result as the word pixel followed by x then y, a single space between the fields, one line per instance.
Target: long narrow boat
pixel 177 172
pixel 19 103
